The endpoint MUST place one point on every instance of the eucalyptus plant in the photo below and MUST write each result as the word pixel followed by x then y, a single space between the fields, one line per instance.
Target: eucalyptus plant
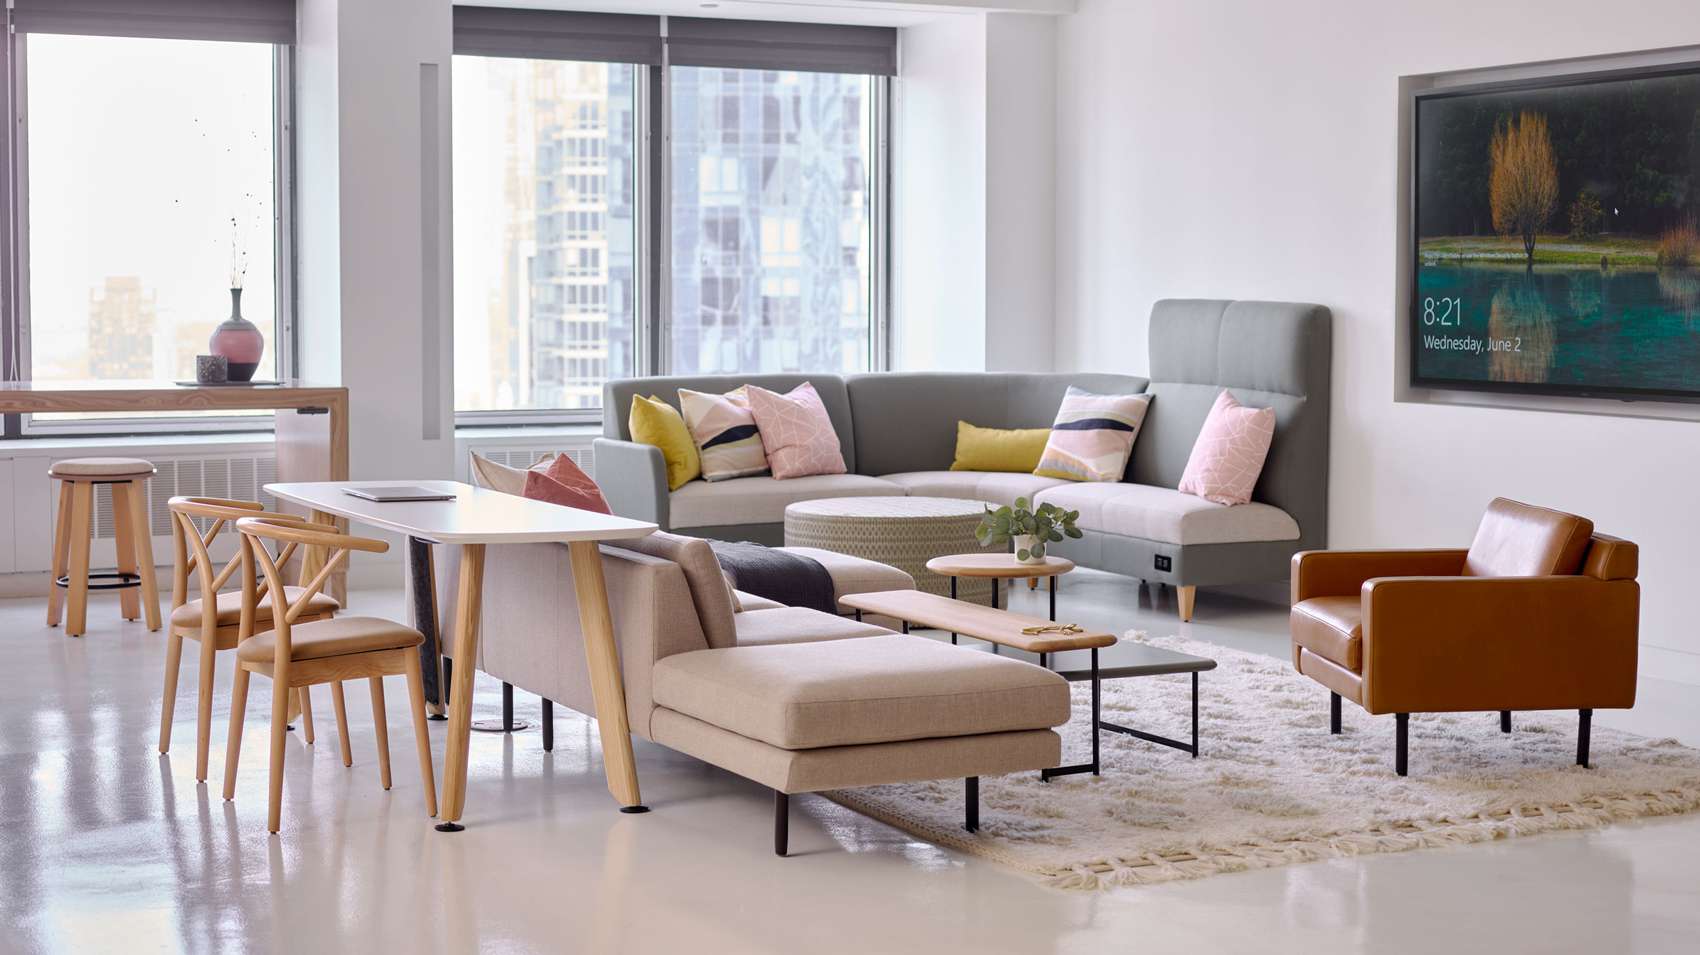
pixel 1044 525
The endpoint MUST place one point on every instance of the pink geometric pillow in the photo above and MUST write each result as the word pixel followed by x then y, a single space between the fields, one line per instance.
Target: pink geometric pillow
pixel 565 483
pixel 1229 453
pixel 796 432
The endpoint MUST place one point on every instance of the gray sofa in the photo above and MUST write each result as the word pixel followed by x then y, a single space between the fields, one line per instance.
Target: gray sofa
pixel 898 433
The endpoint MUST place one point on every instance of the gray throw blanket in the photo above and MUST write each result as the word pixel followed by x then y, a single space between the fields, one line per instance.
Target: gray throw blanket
pixel 790 579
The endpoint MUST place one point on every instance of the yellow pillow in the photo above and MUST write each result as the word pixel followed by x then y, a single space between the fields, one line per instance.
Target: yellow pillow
pixel 658 423
pixel 998 449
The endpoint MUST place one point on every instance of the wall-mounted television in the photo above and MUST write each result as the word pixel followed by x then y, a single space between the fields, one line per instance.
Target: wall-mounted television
pixel 1557 236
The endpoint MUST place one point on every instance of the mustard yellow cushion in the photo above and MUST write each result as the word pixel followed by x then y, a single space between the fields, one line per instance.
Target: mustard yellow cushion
pixel 998 449
pixel 655 422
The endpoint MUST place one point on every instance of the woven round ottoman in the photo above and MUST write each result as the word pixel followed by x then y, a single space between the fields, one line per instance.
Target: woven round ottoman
pixel 903 532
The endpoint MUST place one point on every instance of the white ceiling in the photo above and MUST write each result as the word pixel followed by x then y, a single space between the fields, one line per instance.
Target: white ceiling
pixel 895 13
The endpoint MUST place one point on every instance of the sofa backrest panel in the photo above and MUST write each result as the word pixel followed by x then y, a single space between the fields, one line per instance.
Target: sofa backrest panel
pixel 617 399
pixel 1270 355
pixel 906 421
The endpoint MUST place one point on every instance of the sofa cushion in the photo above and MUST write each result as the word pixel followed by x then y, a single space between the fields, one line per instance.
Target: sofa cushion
pixel 762 500
pixel 1332 628
pixel 1521 540
pixel 1093 436
pixel 710 592
pixel 743 601
pixel 798 625
pixel 996 487
pixel 848 692
pixel 855 575
pixel 797 432
pixel 724 429
pixel 1166 515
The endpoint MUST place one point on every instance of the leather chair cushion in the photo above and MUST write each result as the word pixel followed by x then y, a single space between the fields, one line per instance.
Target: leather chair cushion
pixel 335 637
pixel 188 616
pixel 1331 628
pixel 1520 540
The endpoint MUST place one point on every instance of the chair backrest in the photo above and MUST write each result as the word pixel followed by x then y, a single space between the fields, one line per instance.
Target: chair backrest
pixel 1520 540
pixel 191 548
pixel 290 532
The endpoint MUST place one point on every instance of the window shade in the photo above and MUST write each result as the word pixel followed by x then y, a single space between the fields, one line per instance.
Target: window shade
pixel 766 45
pixel 558 34
pixel 255 21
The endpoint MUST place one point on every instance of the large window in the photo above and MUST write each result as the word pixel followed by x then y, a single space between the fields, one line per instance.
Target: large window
pixel 543 243
pixel 770 221
pixel 616 217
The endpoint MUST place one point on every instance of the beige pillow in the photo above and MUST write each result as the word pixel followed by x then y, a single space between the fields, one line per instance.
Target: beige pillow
pixel 499 477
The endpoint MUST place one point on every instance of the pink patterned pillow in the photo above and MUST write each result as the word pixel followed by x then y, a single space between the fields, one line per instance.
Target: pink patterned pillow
pixel 1229 453
pixel 796 432
pixel 565 483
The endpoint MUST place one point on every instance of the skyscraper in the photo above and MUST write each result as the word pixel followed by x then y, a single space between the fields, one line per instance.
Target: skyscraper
pixel 122 318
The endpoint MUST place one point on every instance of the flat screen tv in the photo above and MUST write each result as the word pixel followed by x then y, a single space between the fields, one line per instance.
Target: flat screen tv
pixel 1556 242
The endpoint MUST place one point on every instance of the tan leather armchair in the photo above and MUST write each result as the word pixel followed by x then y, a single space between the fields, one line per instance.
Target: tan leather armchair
pixel 1540 613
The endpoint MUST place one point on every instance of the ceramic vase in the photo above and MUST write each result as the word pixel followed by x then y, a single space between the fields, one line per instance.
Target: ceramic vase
pixel 238 340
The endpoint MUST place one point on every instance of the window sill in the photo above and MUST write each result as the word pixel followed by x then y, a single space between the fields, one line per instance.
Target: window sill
pixel 54 443
pixel 482 434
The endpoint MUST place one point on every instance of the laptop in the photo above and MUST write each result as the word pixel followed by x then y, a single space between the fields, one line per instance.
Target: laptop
pixel 398 492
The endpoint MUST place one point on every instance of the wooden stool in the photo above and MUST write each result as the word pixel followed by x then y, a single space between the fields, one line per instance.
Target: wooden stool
pixel 72 534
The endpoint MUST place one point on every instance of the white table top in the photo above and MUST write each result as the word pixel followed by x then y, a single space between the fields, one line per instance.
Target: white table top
pixel 475 516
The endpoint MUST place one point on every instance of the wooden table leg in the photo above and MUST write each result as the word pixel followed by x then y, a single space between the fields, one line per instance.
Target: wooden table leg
pixel 467 612
pixel 607 688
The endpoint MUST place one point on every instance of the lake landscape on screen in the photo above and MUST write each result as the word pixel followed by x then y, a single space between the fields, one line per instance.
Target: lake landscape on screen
pixel 1557 245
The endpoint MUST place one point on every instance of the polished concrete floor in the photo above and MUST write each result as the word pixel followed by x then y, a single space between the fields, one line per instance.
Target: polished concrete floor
pixel 107 846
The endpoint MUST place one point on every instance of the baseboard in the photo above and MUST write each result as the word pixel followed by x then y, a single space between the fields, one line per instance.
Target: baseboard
pixel 1677 666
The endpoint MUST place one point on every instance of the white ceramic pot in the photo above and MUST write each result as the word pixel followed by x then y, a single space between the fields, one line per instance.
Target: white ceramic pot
pixel 1026 542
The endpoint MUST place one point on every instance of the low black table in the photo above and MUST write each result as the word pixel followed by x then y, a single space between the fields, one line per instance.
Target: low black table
pixel 1146 661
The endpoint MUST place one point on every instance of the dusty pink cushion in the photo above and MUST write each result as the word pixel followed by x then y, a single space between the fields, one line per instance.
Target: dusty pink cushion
pixel 565 483
pixel 796 432
pixel 1228 455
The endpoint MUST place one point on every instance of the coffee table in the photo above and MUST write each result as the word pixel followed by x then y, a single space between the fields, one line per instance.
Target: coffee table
pixel 1002 628
pixel 999 567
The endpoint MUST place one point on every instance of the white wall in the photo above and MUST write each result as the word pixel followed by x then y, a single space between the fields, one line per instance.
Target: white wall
pixel 1021 98
pixel 363 310
pixel 1250 150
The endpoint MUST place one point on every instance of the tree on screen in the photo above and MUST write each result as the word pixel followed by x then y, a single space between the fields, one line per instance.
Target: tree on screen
pixel 1522 178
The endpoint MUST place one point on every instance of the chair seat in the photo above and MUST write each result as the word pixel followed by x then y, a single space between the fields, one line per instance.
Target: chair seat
pixel 188 616
pixel 1331 628
pixel 338 636
pixel 103 468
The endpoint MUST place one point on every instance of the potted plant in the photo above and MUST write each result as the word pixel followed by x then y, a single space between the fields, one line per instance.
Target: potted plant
pixel 1031 529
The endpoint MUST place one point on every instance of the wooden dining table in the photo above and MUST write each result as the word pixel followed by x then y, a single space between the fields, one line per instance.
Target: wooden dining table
pixel 472 520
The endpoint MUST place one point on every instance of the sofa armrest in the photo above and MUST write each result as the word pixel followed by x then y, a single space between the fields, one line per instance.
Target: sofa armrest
pixel 1340 573
pixel 633 477
pixel 1494 643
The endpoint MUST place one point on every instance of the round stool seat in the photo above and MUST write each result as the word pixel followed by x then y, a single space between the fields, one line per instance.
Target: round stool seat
pixel 100 469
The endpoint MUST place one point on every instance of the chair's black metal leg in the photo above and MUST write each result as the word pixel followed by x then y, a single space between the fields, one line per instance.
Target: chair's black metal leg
pixel 1096 712
pixel 994 593
pixel 1585 725
pixel 1195 714
pixel 905 626
pixel 858 614
pixel 507 707
pixel 1045 660
pixel 971 799
pixel 1333 713
pixel 953 597
pixel 448 678
pixel 1505 721
pixel 1053 598
pixel 781 822
pixel 1401 743
pixel 548 725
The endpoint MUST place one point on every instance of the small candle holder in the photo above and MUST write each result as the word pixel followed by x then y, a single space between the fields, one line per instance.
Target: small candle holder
pixel 212 369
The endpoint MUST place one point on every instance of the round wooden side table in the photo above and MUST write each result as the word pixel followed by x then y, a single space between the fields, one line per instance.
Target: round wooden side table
pixel 998 567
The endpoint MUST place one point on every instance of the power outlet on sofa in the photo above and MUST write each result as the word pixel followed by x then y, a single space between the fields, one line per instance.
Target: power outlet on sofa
pixel 1163 562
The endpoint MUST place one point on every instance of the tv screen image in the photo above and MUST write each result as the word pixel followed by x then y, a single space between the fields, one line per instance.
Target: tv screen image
pixel 1556 247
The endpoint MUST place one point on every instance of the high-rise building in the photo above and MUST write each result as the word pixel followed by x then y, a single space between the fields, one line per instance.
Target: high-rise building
pixel 122 318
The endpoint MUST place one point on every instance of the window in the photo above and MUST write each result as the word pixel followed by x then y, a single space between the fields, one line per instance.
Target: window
pixel 614 217
pixel 544 257
pixel 146 194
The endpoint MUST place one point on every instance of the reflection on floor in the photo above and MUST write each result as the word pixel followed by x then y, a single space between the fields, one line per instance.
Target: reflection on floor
pixel 105 845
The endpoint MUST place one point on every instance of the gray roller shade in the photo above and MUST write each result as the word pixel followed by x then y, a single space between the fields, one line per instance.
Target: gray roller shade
pixel 558 35
pixel 766 45
pixel 254 21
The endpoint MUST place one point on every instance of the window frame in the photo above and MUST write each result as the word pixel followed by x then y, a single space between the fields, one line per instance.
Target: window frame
pixel 15 354
pixel 653 274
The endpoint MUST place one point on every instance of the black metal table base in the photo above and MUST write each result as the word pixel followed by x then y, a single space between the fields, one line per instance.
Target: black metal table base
pixel 1099 725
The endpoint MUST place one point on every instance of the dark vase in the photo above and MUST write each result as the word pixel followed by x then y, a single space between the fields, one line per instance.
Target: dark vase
pixel 239 341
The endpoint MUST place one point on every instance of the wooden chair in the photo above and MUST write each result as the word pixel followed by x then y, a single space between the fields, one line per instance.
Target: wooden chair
pixel 300 653
pixel 134 578
pixel 213 623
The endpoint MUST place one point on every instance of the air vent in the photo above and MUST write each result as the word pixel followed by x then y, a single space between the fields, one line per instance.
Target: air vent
pixel 524 457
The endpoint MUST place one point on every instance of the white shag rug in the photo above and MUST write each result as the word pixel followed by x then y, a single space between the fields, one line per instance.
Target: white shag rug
pixel 1272 787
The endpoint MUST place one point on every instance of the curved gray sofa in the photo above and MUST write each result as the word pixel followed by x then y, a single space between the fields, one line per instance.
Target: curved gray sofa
pixel 898 434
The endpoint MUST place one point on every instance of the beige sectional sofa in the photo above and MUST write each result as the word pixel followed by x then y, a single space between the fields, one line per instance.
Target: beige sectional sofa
pixel 794 699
